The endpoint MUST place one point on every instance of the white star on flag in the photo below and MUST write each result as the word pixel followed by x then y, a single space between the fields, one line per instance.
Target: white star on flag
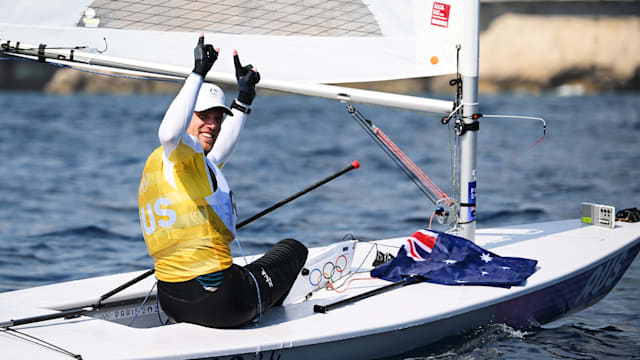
pixel 449 261
pixel 505 267
pixel 484 273
pixel 486 258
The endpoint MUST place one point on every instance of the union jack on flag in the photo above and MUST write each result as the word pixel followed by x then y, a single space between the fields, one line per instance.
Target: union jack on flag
pixel 421 239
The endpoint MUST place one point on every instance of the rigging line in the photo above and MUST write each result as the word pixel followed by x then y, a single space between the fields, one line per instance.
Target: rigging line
pixel 48 48
pixel 241 251
pixel 19 58
pixel 452 166
pixel 330 285
pixel 454 145
pixel 544 129
pixel 344 278
pixel 158 307
pixel 413 174
pixel 352 273
pixel 141 305
pixel 336 289
pixel 37 341
pixel 455 111
pixel 530 147
pixel 544 123
pixel 106 46
pixel 374 245
pixel 431 220
pixel 259 298
pixel 114 75
pixel 453 152
pixel 425 179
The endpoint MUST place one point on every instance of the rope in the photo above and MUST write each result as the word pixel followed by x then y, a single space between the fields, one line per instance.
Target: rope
pixel 428 187
pixel 241 252
pixel 116 75
pixel 37 341
pixel 352 273
pixel 431 219
pixel 530 147
pixel 544 124
pixel 141 305
pixel 412 166
pixel 162 322
pixel 348 284
pixel 254 280
pixel 66 66
pixel 259 297
pixel 454 154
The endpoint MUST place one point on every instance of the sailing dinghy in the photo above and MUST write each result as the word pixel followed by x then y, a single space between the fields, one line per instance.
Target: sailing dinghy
pixel 347 41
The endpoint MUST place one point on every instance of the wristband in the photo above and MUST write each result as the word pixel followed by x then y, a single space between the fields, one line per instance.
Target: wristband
pixel 237 105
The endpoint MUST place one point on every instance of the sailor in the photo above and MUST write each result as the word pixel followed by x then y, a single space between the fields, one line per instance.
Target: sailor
pixel 188 215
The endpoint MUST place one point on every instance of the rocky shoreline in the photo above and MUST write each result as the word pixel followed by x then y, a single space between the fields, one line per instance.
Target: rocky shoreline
pixel 539 52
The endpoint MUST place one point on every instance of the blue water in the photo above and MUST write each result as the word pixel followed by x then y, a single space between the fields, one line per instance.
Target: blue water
pixel 70 165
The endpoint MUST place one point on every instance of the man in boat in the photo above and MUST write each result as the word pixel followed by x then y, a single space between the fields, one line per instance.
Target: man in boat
pixel 188 215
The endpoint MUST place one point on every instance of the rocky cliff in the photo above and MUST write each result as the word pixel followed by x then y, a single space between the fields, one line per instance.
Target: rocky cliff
pixel 540 52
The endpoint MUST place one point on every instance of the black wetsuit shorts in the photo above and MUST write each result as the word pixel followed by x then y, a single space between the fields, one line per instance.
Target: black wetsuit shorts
pixel 236 301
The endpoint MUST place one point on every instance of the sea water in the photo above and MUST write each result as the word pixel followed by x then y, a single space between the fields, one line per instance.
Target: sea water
pixel 70 168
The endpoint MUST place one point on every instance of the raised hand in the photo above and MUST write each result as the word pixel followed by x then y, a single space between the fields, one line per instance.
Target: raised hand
pixel 204 56
pixel 247 77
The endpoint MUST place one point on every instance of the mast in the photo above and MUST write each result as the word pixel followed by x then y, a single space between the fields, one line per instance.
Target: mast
pixel 468 144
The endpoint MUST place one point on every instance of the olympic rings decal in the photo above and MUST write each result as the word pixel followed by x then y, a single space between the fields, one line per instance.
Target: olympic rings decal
pixel 329 270
pixel 319 277
pixel 344 266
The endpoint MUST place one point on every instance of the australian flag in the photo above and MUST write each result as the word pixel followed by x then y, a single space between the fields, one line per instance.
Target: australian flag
pixel 451 260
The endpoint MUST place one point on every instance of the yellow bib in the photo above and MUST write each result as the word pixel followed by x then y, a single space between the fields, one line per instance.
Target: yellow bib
pixel 186 225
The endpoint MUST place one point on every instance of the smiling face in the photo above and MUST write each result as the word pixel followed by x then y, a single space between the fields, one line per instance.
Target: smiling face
pixel 205 125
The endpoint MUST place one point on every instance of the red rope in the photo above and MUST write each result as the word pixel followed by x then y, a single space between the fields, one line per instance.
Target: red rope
pixel 348 284
pixel 412 166
pixel 530 147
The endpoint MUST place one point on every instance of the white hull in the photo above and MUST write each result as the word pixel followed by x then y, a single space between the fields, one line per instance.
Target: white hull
pixel 577 266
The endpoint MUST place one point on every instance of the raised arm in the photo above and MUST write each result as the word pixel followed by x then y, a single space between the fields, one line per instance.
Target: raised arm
pixel 247 78
pixel 178 116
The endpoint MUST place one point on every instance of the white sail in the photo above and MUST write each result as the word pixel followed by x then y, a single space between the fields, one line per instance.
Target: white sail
pixel 313 41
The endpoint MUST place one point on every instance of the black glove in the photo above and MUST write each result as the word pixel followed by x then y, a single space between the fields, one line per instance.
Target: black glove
pixel 204 57
pixel 247 80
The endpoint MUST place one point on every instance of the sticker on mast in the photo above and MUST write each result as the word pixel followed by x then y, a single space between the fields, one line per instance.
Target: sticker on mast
pixel 440 14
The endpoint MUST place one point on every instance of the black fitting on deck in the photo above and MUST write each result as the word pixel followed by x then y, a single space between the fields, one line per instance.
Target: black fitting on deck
pixel 41 56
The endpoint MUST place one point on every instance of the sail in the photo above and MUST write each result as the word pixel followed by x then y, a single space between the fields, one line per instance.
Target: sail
pixel 311 41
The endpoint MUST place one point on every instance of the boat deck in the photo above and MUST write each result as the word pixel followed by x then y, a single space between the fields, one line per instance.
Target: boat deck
pixel 567 252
